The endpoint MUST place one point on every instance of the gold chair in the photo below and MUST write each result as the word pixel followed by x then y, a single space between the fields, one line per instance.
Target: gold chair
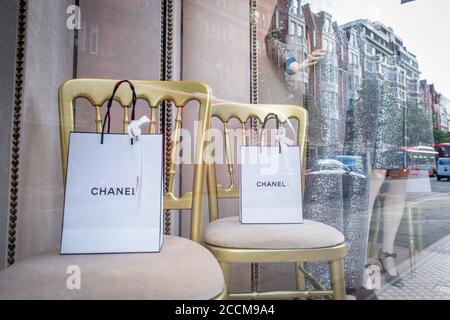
pixel 184 269
pixel 233 242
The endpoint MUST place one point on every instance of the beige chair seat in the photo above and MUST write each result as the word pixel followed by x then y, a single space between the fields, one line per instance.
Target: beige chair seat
pixel 230 233
pixel 182 270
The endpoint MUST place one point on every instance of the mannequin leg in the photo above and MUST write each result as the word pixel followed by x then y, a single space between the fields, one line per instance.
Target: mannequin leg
pixel 377 177
pixel 392 216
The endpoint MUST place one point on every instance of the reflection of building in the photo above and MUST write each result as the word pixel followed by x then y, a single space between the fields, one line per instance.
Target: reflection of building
pixel 296 41
pixel 343 54
pixel 436 104
pixel 326 85
pixel 394 61
pixel 443 105
pixel 408 73
pixel 286 39
pixel 354 70
pixel 321 35
pixel 354 51
pixel 425 98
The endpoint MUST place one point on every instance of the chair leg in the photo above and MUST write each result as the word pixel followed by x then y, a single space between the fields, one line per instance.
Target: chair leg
pixel 301 285
pixel 226 275
pixel 337 279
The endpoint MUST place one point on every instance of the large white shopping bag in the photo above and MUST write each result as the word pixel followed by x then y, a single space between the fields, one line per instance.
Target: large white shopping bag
pixel 270 186
pixel 114 190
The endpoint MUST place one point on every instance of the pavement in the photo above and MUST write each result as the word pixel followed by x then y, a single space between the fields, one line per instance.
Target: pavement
pixel 431 216
pixel 426 274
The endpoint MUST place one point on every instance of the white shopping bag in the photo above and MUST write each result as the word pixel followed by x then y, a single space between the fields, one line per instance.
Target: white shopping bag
pixel 114 190
pixel 271 190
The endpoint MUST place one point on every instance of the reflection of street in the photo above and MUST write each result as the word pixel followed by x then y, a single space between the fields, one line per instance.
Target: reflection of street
pixel 431 227
pixel 431 215
pixel 440 186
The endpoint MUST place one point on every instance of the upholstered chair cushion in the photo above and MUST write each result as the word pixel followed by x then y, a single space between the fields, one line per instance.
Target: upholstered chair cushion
pixel 182 270
pixel 230 233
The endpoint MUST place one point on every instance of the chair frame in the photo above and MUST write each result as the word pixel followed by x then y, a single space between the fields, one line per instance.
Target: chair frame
pixel 334 255
pixel 98 91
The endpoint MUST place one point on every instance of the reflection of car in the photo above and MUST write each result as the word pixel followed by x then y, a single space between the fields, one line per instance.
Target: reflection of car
pixel 355 163
pixel 443 168
pixel 331 166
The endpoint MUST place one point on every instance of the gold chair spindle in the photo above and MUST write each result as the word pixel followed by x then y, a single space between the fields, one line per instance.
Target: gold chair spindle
pixel 244 134
pixel 153 121
pixel 229 154
pixel 263 142
pixel 98 119
pixel 126 119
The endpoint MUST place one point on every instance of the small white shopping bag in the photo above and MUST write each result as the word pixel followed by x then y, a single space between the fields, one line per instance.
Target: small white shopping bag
pixel 113 199
pixel 271 190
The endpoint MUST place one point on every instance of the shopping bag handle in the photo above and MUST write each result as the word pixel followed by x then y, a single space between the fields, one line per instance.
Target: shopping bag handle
pixel 107 117
pixel 278 123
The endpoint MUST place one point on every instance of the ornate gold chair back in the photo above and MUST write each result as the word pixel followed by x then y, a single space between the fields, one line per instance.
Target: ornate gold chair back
pixel 156 94
pixel 246 113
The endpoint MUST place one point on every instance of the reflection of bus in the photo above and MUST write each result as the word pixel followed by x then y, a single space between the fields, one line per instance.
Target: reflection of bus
pixel 443 149
pixel 421 158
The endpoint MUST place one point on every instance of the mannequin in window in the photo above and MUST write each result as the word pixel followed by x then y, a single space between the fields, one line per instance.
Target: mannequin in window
pixel 377 128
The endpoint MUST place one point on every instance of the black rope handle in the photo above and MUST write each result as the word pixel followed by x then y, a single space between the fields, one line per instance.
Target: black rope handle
pixel 277 123
pixel 110 102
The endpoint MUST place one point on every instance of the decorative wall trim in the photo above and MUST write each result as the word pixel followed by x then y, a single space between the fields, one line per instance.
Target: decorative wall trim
pixel 167 32
pixel 254 51
pixel 15 135
pixel 253 18
pixel 254 76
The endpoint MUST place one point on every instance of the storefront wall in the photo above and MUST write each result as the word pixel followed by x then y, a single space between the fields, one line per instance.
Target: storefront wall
pixel 48 63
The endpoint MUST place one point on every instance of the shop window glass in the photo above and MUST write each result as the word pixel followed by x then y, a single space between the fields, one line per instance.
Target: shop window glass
pixel 377 137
